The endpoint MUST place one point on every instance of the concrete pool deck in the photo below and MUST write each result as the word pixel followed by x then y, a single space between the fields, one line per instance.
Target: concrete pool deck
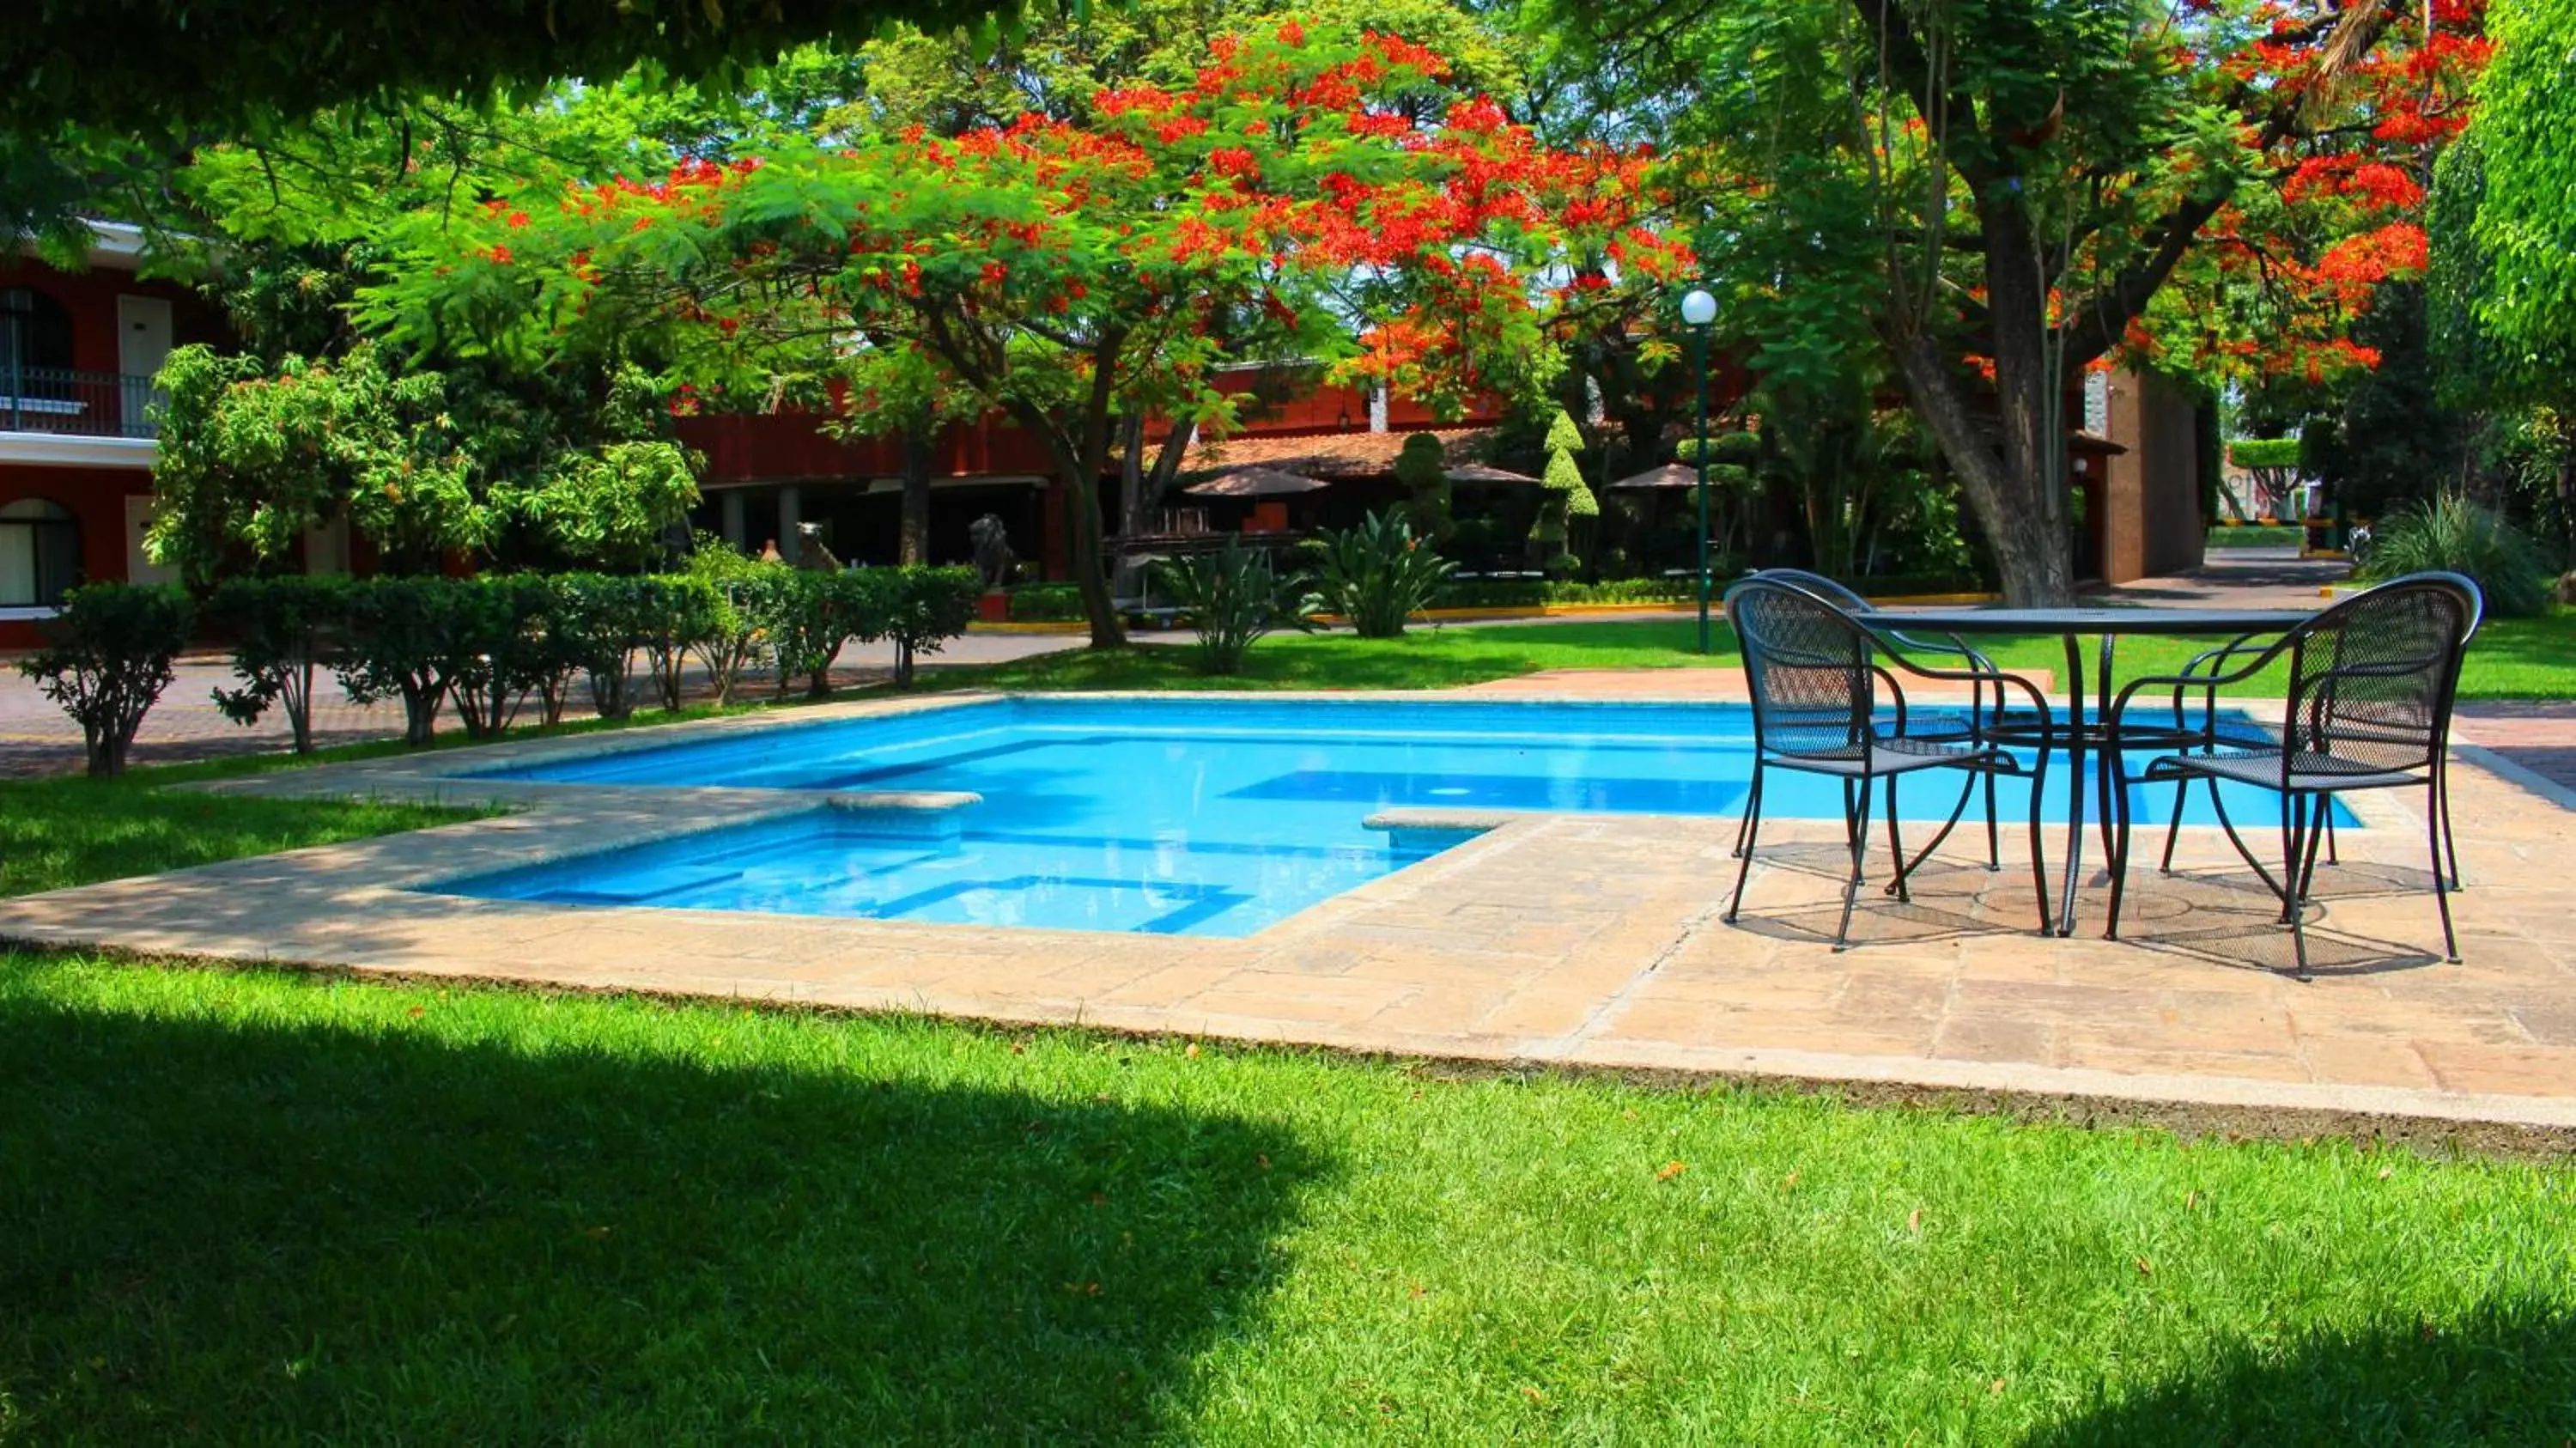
pixel 1577 940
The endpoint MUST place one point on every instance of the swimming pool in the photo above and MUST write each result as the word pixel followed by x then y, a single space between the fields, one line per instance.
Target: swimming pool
pixel 1166 815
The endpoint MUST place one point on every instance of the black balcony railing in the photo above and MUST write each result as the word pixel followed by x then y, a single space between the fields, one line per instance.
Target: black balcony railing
pixel 83 404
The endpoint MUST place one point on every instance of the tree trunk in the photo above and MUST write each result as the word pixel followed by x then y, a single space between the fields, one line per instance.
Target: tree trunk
pixel 2025 530
pixel 915 547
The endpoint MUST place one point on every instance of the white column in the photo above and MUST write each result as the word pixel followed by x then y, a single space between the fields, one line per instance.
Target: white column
pixel 732 502
pixel 790 543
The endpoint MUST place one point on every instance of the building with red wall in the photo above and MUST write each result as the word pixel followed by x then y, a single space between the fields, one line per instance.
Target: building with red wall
pixel 77 354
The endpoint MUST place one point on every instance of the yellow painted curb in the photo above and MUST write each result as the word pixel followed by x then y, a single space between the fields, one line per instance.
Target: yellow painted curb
pixel 1501 613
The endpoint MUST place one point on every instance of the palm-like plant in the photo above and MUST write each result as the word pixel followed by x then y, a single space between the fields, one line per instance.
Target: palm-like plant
pixel 1378 575
pixel 1234 596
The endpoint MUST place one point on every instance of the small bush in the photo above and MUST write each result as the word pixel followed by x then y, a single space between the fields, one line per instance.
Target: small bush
pixel 2452 534
pixel 107 657
pixel 917 608
pixel 495 647
pixel 1046 603
pixel 398 647
pixel 676 613
pixel 1378 575
pixel 598 622
pixel 729 639
pixel 281 629
pixel 1234 596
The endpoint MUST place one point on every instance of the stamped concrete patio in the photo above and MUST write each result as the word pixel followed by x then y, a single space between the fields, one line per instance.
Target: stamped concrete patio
pixel 1581 940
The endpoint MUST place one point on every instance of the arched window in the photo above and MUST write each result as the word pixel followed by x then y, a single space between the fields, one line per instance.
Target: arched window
pixel 35 331
pixel 39 553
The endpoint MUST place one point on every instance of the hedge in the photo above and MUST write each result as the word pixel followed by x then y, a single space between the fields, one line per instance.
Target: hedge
pixel 488 645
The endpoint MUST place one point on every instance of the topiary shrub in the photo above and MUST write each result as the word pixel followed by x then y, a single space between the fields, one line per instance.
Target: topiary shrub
pixel 1422 466
pixel 597 623
pixel 281 628
pixel 2452 534
pixel 106 658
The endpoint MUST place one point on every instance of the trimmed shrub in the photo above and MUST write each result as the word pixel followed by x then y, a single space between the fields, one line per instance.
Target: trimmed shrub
pixel 281 629
pixel 729 640
pixel 1378 575
pixel 597 623
pixel 921 609
pixel 1046 603
pixel 1422 467
pixel 2452 534
pixel 1234 596
pixel 496 651
pixel 808 615
pixel 676 613
pixel 398 648
pixel 107 656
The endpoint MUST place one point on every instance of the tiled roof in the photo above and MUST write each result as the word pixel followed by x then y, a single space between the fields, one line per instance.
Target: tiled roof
pixel 1333 455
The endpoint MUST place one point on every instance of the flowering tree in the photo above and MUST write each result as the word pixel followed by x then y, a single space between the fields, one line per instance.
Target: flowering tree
pixel 1298 200
pixel 1994 196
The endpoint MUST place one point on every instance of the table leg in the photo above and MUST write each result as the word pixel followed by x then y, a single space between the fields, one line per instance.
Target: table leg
pixel 2074 784
pixel 2106 758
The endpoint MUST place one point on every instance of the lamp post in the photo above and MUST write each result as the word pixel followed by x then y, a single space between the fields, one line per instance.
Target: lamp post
pixel 1699 309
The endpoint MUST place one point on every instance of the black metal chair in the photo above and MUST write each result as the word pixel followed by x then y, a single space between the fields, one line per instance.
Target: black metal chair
pixel 2373 680
pixel 1943 724
pixel 2217 732
pixel 1815 676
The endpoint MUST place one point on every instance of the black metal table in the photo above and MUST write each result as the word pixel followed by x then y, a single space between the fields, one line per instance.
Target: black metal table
pixel 2077 734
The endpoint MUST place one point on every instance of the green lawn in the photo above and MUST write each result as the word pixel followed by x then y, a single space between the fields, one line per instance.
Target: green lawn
pixel 261 1207
pixel 2512 659
pixel 61 832
pixel 2256 535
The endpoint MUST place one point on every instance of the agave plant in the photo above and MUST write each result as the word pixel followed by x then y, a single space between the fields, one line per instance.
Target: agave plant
pixel 1234 596
pixel 2454 534
pixel 1378 575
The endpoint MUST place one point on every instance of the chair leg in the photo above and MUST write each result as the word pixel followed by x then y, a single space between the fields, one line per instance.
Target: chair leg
pixel 2450 842
pixel 2333 856
pixel 1994 832
pixel 2038 855
pixel 1746 833
pixel 2321 813
pixel 2294 825
pixel 1858 819
pixel 2173 831
pixel 1896 843
pixel 2433 827
pixel 2119 859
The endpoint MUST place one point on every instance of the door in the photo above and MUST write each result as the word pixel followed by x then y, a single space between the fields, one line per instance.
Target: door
pixel 139 567
pixel 142 345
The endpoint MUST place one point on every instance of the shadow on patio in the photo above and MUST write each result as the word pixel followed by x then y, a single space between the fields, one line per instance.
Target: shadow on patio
pixel 2216 913
pixel 307 1233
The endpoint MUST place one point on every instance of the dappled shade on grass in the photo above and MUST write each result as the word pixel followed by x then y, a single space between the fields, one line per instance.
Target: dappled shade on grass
pixel 408 1226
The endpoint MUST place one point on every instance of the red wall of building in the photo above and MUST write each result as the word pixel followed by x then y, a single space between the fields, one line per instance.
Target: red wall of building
pixel 90 297
pixel 96 496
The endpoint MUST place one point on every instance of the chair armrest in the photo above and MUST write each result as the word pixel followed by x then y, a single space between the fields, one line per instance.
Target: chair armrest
pixel 1981 677
pixel 2209 682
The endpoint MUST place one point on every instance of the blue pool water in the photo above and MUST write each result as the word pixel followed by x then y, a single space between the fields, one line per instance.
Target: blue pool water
pixel 1166 815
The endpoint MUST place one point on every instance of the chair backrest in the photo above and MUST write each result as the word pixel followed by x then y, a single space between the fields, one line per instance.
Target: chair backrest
pixel 2373 679
pixel 1839 595
pixel 1809 667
